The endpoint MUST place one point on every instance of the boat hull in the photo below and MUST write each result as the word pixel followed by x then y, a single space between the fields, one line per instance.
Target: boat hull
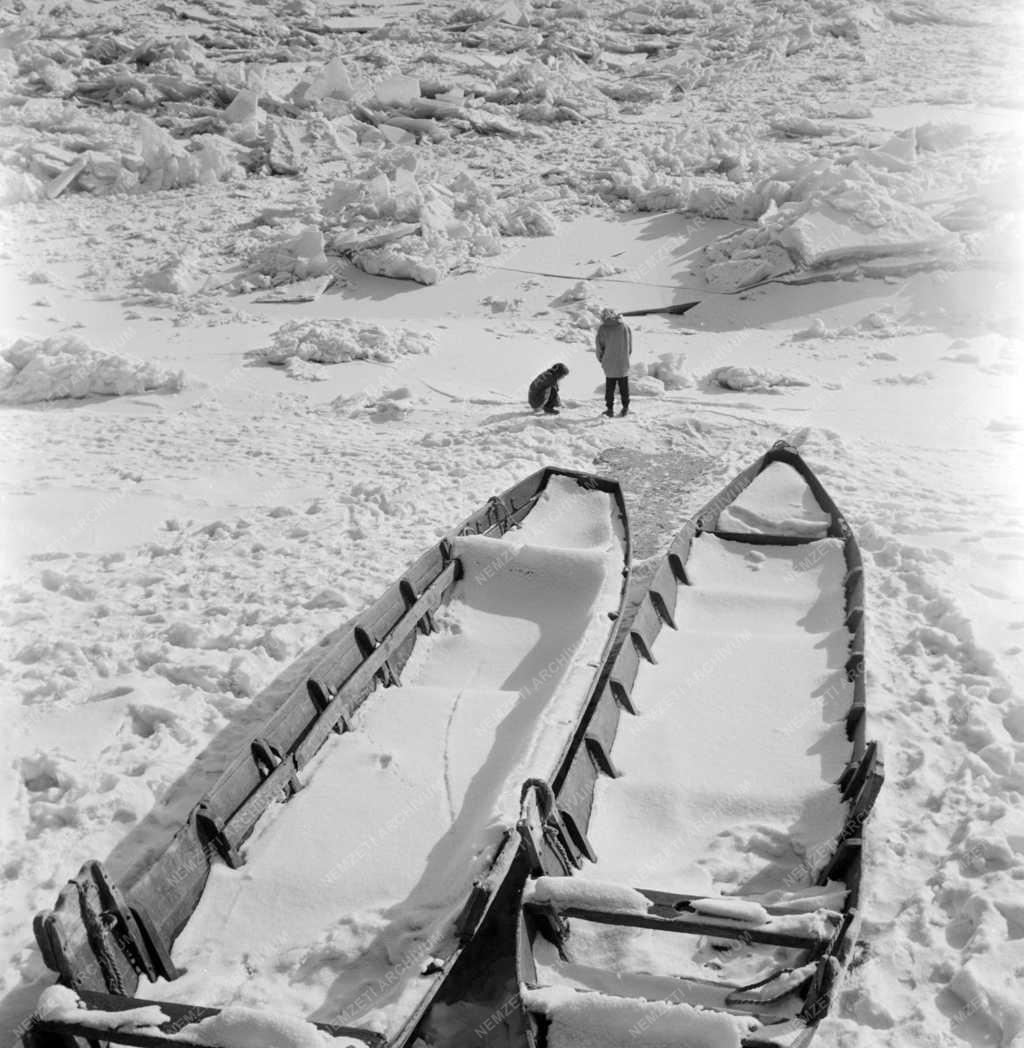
pixel 562 824
pixel 101 938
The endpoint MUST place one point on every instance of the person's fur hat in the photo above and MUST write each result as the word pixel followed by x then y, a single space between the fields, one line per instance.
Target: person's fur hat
pixel 608 314
pixel 560 370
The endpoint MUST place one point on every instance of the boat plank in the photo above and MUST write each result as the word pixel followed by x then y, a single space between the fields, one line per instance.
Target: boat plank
pixel 687 924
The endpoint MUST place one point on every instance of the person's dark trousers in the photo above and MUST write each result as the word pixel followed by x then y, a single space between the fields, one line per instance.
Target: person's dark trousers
pixel 609 391
pixel 552 402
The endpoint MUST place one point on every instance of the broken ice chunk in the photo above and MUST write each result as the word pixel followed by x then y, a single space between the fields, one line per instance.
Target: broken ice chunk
pixel 397 90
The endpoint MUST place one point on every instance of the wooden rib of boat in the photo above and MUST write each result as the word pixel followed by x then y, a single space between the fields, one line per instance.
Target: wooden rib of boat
pixel 115 944
pixel 696 859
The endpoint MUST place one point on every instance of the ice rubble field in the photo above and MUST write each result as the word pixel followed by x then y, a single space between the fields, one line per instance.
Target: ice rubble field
pixel 170 553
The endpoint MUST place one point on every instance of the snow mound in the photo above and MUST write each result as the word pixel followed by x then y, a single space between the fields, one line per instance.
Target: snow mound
pixel 394 404
pixel 640 384
pixel 528 220
pixel 241 1027
pixel 18 186
pixel 668 369
pixel 919 378
pixel 990 983
pixel 733 909
pixel 176 276
pixel 169 163
pixel 411 260
pixel 285 259
pixel 581 291
pixel 339 341
pixel 58 368
pixel 656 378
pixel 598 1021
pixel 883 323
pixel 645 386
pixel 333 81
pixel 607 269
pixel 817 328
pixel 565 892
pixel 800 126
pixel 750 380
pixel 60 1004
pixel 943 135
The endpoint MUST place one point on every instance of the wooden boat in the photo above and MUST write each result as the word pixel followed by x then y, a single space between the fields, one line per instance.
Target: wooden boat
pixel 466 676
pixel 696 860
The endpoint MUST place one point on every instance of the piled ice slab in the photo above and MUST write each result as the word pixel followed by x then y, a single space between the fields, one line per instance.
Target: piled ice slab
pixel 406 220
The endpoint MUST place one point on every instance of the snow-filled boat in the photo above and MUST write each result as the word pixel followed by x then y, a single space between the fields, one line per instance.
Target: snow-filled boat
pixel 696 859
pixel 328 882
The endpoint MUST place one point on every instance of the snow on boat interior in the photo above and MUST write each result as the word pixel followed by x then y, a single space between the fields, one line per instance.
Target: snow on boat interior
pixel 338 867
pixel 697 858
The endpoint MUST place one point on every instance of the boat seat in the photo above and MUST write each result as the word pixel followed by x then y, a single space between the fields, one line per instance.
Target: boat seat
pixel 672 913
pixel 793 1032
pixel 786 903
pixel 761 1032
pixel 178 1015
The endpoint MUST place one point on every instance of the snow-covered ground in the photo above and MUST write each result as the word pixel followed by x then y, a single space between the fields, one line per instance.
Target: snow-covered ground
pixel 197 486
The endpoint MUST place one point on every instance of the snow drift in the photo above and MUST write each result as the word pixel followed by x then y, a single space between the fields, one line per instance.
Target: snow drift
pixel 58 368
pixel 338 341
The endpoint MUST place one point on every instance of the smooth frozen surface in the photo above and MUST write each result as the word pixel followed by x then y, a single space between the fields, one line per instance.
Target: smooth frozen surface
pixel 777 502
pixel 740 737
pixel 402 813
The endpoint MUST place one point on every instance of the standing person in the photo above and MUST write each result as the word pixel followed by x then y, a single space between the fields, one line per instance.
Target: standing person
pixel 544 389
pixel 614 347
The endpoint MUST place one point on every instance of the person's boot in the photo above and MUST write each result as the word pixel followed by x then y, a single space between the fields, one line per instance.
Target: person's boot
pixel 624 411
pixel 608 411
pixel 551 411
